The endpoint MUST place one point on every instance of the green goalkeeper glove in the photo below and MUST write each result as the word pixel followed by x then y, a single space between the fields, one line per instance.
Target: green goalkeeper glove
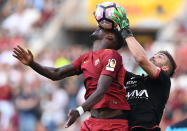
pixel 122 21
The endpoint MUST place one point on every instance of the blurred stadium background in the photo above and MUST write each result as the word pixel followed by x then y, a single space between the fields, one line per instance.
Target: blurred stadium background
pixel 57 32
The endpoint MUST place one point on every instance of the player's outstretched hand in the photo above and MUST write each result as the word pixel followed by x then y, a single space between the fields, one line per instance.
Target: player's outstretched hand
pixel 120 18
pixel 72 117
pixel 25 57
pixel 123 22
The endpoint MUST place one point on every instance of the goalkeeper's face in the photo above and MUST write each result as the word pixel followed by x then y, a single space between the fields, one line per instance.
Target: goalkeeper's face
pixel 160 60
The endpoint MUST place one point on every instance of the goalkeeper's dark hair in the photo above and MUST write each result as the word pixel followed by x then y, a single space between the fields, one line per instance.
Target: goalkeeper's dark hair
pixel 119 38
pixel 171 63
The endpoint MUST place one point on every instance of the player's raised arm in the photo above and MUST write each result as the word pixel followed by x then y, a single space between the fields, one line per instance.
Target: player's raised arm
pixel 134 46
pixel 26 57
pixel 140 56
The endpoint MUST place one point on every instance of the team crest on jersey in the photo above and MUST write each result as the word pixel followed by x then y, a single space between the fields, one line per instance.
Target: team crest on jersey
pixel 111 65
pixel 85 61
pixel 97 62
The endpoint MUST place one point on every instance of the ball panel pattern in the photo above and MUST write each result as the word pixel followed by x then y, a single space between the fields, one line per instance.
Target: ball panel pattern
pixel 103 12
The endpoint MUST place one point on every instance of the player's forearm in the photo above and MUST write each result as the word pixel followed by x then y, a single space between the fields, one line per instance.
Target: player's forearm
pixel 103 85
pixel 92 100
pixel 140 56
pixel 136 49
pixel 45 71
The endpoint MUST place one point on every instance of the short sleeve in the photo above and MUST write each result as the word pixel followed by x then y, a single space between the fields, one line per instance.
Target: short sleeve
pixel 163 77
pixel 112 62
pixel 158 73
pixel 77 64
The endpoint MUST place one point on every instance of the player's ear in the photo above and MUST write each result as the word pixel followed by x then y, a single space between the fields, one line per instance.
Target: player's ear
pixel 165 68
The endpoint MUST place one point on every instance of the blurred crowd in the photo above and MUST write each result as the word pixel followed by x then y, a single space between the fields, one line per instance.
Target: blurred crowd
pixel 30 102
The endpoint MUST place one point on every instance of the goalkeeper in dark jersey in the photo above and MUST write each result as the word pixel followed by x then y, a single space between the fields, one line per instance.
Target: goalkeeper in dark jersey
pixel 147 95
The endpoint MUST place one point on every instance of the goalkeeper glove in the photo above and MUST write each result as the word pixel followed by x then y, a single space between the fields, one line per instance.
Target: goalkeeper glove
pixel 123 22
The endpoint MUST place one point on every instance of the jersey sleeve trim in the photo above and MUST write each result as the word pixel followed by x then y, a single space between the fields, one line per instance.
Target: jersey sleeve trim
pixel 76 68
pixel 158 73
pixel 77 64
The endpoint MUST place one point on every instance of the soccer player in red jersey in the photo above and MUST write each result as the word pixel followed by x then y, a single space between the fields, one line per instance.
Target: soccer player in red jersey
pixel 103 78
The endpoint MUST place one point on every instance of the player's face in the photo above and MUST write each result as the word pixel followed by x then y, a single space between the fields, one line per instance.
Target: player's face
pixel 103 39
pixel 100 34
pixel 159 59
pixel 96 35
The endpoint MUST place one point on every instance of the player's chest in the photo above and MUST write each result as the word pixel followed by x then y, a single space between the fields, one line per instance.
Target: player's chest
pixel 92 65
pixel 137 89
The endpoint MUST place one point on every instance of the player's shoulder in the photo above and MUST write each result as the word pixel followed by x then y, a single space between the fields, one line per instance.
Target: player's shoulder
pixel 162 79
pixel 164 75
pixel 85 54
pixel 83 57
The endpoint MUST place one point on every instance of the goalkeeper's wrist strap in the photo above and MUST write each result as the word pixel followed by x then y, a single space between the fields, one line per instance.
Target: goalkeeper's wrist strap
pixel 126 33
pixel 80 110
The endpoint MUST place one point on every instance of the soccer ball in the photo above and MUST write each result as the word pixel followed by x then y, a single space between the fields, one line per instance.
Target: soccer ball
pixel 102 14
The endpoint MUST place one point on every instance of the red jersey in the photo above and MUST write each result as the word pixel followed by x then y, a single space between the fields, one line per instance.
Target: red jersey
pixel 104 62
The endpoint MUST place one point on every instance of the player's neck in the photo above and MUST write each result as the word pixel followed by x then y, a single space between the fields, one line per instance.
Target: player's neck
pixel 98 46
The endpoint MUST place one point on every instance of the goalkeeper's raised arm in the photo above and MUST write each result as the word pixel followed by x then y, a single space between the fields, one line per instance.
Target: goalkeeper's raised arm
pixel 135 48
